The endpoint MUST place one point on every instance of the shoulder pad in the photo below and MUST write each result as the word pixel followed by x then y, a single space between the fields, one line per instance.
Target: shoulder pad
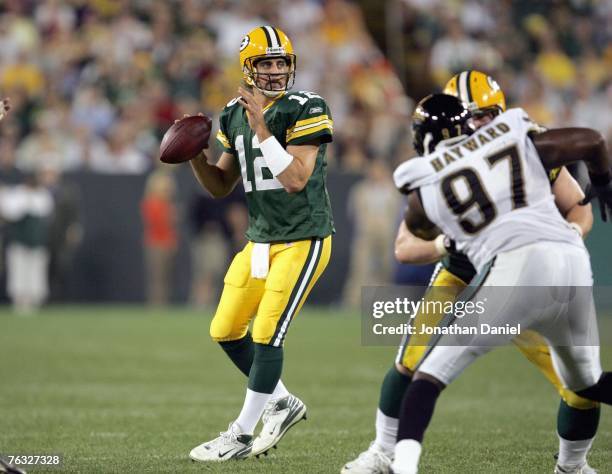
pixel 304 97
pixel 231 103
pixel 413 174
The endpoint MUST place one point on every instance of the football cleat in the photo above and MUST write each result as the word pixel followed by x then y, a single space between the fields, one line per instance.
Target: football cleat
pixel 278 416
pixel 371 461
pixel 229 445
pixel 584 469
pixel 8 468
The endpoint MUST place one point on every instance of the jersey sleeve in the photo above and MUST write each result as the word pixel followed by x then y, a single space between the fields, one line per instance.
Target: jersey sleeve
pixel 312 120
pixel 530 126
pixel 520 121
pixel 413 174
pixel 222 134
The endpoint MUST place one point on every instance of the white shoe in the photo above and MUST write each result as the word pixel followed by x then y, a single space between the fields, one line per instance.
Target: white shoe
pixel 229 445
pixel 372 461
pixel 278 416
pixel 584 469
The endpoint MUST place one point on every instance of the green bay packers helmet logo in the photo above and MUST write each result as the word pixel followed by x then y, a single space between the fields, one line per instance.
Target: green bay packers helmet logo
pixel 493 84
pixel 245 42
pixel 478 90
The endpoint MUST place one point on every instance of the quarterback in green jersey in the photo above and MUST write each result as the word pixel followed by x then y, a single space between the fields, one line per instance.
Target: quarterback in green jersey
pixel 275 142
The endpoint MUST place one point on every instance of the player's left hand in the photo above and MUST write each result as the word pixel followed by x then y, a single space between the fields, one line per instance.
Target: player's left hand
pixel 252 104
pixel 603 192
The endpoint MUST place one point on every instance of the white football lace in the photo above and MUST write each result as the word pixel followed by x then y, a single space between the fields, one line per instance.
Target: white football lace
pixel 268 411
pixel 380 456
pixel 228 437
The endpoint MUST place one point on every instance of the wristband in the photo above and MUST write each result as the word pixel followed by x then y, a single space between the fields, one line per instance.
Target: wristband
pixel 576 227
pixel 440 247
pixel 277 158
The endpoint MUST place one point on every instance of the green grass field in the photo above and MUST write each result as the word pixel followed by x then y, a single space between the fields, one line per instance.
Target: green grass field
pixel 125 389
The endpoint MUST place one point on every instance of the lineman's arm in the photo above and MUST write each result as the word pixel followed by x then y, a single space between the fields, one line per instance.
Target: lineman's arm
pixel 568 195
pixel 220 179
pixel 411 249
pixel 417 221
pixel 562 146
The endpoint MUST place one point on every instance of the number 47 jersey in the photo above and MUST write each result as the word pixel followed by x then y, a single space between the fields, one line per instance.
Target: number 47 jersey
pixel 489 192
pixel 295 118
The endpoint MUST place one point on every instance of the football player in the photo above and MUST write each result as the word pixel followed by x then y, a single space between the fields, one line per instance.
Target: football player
pixel 578 418
pixel 275 142
pixel 479 222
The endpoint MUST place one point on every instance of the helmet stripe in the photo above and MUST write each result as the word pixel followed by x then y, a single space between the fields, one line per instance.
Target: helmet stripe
pixel 462 87
pixel 277 36
pixel 268 38
pixel 272 37
pixel 469 87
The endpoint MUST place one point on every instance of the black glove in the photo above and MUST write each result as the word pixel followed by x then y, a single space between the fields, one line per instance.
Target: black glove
pixel 601 188
pixel 449 244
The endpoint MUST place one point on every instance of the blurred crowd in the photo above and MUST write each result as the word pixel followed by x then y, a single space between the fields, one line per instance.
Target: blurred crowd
pixel 551 57
pixel 94 84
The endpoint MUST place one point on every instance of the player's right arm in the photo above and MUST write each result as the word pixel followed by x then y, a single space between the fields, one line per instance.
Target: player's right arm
pixel 220 179
pixel 562 146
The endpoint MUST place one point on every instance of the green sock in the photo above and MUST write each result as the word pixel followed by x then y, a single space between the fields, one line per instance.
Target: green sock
pixel 267 368
pixel 392 391
pixel 241 352
pixel 574 424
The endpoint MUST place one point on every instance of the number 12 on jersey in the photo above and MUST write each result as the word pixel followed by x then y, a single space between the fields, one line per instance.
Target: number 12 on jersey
pixel 259 163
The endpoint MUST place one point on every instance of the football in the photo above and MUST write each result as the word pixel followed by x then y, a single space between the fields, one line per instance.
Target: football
pixel 185 139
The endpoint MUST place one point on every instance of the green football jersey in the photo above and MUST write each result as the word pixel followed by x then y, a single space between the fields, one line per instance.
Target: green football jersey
pixel 274 214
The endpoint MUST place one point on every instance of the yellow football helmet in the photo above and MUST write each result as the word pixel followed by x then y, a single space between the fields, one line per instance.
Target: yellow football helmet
pixel 478 91
pixel 266 42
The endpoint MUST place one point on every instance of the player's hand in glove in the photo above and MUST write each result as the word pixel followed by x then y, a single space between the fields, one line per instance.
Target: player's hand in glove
pixel 444 245
pixel 601 188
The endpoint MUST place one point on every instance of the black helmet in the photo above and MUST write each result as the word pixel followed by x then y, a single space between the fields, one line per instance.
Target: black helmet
pixel 436 118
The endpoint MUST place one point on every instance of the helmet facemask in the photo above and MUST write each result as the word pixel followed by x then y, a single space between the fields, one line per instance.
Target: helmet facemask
pixel 483 116
pixel 436 118
pixel 252 76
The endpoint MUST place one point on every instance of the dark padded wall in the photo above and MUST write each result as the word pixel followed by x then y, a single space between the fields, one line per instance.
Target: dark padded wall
pixel 109 265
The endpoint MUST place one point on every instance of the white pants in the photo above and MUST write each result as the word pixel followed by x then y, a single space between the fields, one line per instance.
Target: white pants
pixel 546 287
pixel 27 279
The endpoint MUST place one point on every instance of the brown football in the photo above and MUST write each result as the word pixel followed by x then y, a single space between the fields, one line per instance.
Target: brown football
pixel 185 139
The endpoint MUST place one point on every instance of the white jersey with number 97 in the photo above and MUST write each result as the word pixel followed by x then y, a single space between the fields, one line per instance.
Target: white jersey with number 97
pixel 489 192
